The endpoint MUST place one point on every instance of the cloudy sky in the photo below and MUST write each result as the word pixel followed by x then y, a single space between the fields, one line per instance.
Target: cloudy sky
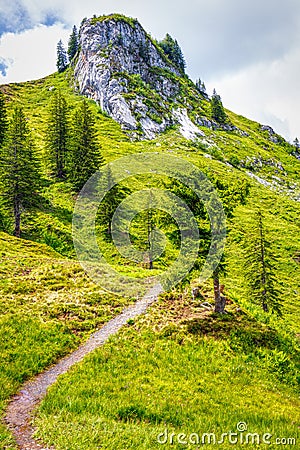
pixel 248 51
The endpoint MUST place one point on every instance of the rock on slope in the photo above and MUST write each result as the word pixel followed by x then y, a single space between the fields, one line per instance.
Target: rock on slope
pixel 124 70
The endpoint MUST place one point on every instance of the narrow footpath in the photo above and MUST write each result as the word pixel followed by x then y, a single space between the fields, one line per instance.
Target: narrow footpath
pixel 19 411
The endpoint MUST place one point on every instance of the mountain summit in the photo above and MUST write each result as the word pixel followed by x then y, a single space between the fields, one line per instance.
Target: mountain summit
pixel 133 79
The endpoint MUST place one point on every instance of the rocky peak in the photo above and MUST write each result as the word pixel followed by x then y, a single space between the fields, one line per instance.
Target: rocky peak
pixel 127 73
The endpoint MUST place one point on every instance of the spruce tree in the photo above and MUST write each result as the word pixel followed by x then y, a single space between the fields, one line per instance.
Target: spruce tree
pixel 73 44
pixel 3 119
pixel 62 60
pixel 200 86
pixel 173 51
pixel 217 109
pixel 143 226
pixel 85 156
pixel 20 175
pixel 178 57
pixel 231 196
pixel 261 267
pixel 57 135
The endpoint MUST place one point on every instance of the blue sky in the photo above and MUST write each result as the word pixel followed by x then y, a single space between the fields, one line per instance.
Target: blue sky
pixel 248 51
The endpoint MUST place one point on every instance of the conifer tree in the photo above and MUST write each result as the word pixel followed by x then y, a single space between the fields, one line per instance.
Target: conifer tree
pixel 260 268
pixel 217 109
pixel 57 135
pixel 115 195
pixel 3 119
pixel 85 156
pixel 73 44
pixel 62 60
pixel 20 175
pixel 200 85
pixel 144 224
pixel 231 196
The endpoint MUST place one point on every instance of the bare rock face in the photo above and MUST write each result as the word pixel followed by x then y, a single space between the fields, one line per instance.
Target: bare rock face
pixel 128 75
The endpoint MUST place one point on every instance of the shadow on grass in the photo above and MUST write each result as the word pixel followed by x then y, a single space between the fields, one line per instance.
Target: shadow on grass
pixel 260 344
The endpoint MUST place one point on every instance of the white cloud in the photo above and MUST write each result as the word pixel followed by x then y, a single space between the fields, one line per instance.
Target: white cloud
pixel 31 54
pixel 267 92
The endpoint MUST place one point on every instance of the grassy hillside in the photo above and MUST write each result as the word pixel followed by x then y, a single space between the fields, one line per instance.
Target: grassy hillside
pixel 48 304
pixel 182 370
pixel 47 307
pixel 228 155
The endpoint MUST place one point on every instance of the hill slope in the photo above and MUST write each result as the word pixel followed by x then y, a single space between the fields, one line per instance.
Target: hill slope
pixel 44 290
pixel 269 167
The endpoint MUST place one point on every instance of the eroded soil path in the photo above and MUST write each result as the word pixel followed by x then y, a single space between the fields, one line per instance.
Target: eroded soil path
pixel 19 411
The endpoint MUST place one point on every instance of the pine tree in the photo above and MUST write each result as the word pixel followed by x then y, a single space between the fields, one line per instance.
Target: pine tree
pixel 261 267
pixel 296 143
pixel 178 57
pixel 200 86
pixel 85 157
pixel 20 176
pixel 57 135
pixel 173 51
pixel 3 119
pixel 231 196
pixel 217 109
pixel 62 60
pixel 144 225
pixel 73 44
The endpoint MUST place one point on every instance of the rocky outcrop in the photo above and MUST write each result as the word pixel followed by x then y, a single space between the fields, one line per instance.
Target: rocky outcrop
pixel 272 135
pixel 129 76
pixel 212 125
pixel 257 162
pixel 187 128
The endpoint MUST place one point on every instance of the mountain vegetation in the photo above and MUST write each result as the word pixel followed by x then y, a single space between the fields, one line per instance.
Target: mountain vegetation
pixel 20 177
pixel 73 44
pixel 173 51
pixel 207 355
pixel 217 109
pixel 62 59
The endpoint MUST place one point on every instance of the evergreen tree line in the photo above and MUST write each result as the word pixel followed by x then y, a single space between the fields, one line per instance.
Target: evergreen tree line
pixel 173 51
pixel 72 153
pixel 64 57
pixel 259 264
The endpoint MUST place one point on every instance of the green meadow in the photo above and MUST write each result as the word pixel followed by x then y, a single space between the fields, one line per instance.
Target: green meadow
pixel 178 368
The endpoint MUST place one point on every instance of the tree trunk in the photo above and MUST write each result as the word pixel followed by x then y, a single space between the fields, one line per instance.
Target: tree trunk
pixel 220 301
pixel 265 307
pixel 150 263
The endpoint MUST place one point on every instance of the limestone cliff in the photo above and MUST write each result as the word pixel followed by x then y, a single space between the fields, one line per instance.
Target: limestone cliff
pixel 127 73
